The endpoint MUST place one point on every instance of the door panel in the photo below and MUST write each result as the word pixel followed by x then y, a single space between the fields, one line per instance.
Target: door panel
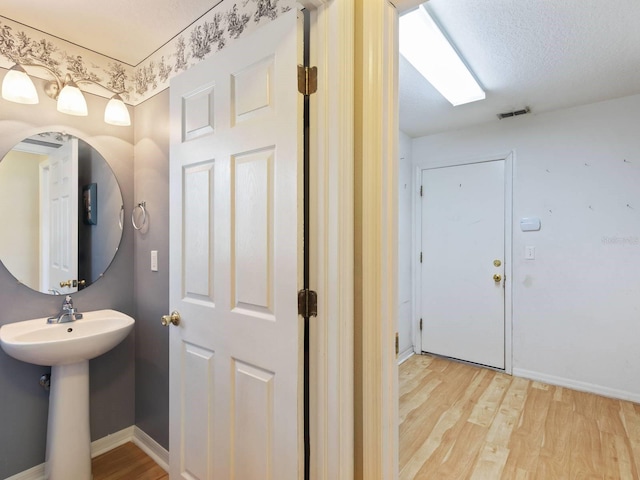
pixel 252 217
pixel 463 218
pixel 60 260
pixel 235 359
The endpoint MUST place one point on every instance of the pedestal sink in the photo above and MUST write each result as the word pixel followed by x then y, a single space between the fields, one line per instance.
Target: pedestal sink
pixel 67 347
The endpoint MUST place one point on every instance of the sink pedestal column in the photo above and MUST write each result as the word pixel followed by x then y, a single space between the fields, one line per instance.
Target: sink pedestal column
pixel 68 437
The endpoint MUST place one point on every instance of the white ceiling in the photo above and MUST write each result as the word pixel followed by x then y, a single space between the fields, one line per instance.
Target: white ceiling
pixel 125 30
pixel 545 54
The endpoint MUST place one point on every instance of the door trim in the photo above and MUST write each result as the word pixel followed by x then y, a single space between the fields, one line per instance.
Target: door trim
pixel 331 240
pixel 375 234
pixel 508 159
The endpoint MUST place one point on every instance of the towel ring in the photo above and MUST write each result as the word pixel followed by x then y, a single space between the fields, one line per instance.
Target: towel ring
pixel 141 206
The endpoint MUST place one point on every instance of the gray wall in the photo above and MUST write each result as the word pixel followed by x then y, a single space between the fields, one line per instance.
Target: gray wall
pixel 97 242
pixel 23 416
pixel 152 288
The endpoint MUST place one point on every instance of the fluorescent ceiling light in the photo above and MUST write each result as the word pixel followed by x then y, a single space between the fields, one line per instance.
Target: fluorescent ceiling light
pixel 427 49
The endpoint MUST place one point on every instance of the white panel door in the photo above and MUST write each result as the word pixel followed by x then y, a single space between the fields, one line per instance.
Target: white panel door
pixel 463 219
pixel 235 358
pixel 59 235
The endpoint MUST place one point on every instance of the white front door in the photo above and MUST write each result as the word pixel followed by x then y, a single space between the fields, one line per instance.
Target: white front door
pixel 235 358
pixel 59 212
pixel 463 248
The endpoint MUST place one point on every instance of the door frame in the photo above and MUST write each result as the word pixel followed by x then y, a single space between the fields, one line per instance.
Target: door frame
pixel 375 240
pixel 508 159
pixel 331 237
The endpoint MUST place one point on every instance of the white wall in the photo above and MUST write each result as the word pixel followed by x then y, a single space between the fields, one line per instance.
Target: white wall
pixel 576 307
pixel 405 288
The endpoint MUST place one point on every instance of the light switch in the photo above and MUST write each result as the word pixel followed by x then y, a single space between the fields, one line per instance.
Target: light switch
pixel 530 253
pixel 154 260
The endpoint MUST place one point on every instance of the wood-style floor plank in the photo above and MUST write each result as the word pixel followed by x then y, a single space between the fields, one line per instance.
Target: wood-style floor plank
pixel 126 462
pixel 459 421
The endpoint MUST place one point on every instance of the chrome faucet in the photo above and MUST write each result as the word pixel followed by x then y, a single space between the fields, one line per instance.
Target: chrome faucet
pixel 67 314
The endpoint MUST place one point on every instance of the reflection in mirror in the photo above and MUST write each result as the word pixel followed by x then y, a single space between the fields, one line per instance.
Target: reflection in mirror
pixel 63 208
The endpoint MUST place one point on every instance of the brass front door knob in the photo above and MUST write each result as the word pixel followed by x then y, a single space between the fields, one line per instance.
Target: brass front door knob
pixel 497 278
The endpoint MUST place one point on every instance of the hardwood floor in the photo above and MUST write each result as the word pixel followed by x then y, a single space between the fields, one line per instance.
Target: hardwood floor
pixel 463 422
pixel 126 462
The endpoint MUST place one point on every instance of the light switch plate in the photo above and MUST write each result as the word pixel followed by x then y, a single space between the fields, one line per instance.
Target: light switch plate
pixel 154 260
pixel 530 253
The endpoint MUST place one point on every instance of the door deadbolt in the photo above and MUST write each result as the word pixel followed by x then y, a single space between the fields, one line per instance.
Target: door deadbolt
pixel 497 263
pixel 173 319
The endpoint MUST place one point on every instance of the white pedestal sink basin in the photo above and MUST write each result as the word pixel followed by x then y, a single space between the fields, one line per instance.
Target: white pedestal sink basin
pixel 67 347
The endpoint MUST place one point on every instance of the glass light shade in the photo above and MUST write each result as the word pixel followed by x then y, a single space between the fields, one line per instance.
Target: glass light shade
pixel 424 45
pixel 18 87
pixel 71 100
pixel 116 112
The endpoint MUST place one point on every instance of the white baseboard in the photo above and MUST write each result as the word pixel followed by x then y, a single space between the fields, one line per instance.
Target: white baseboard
pixel 577 385
pixel 148 445
pixel 35 473
pixel 130 434
pixel 404 356
pixel 104 444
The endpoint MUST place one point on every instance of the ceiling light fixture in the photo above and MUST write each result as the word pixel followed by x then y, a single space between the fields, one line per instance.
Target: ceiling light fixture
pixel 18 87
pixel 424 45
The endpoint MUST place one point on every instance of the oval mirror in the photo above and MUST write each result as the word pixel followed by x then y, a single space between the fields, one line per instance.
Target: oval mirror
pixel 62 208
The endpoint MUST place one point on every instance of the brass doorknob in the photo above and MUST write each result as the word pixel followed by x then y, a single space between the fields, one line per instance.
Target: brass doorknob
pixel 173 319
pixel 497 277
pixel 72 283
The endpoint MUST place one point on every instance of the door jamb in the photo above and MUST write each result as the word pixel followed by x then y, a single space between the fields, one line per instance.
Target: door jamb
pixel 375 234
pixel 331 240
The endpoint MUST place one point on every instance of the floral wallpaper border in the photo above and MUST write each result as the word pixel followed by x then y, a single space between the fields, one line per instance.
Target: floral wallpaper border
pixel 224 23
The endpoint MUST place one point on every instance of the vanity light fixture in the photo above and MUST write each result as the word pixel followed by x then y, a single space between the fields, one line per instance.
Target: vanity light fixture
pixel 18 87
pixel 424 45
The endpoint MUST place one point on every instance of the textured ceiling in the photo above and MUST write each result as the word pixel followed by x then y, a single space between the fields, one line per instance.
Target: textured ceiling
pixel 125 30
pixel 544 54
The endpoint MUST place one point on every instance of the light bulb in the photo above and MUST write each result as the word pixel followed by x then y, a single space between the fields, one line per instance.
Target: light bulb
pixel 71 100
pixel 18 87
pixel 116 112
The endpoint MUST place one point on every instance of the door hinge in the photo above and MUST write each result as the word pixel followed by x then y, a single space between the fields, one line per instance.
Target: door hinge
pixel 420 257
pixel 307 80
pixel 397 344
pixel 420 190
pixel 307 303
pixel 420 324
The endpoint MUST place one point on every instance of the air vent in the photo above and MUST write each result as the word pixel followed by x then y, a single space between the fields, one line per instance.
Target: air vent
pixel 41 143
pixel 515 113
